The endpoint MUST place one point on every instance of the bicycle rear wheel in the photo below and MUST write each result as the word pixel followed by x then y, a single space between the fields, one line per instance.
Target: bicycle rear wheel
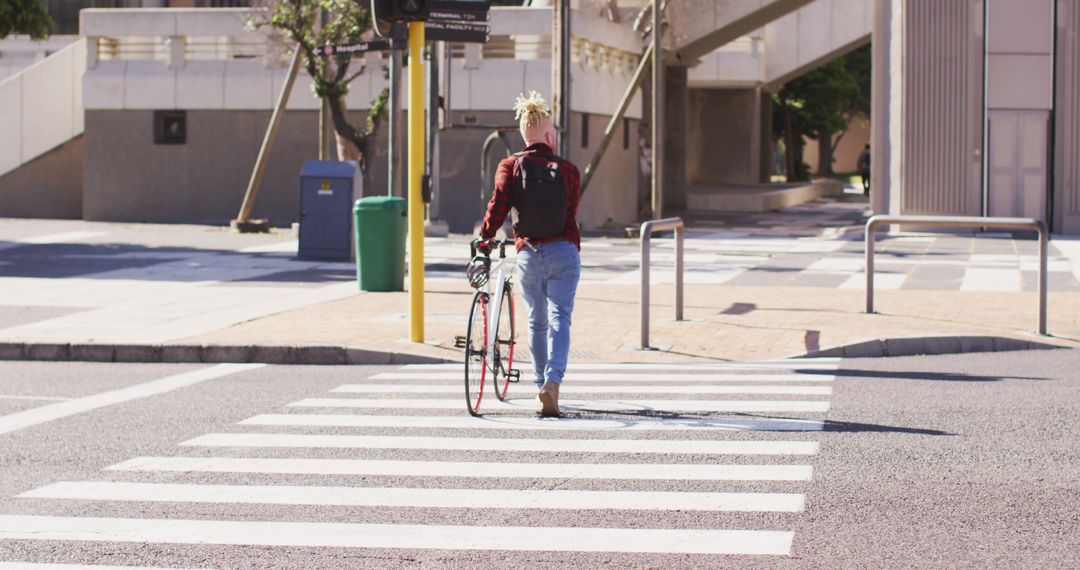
pixel 504 345
pixel 476 353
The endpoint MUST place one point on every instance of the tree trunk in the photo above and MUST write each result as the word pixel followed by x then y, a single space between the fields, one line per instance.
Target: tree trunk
pixel 825 154
pixel 792 156
pixel 345 135
pixel 346 150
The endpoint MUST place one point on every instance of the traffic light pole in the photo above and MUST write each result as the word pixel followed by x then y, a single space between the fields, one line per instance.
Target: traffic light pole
pixel 416 174
pixel 395 154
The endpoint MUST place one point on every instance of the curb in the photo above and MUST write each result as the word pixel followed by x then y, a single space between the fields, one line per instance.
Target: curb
pixel 928 346
pixel 209 354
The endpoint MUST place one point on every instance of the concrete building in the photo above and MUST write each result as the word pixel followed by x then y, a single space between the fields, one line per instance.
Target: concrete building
pixel 975 108
pixel 87 148
pixel 980 109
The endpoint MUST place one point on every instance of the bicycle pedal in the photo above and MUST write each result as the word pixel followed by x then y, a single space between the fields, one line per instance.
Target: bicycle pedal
pixel 513 376
pixel 459 342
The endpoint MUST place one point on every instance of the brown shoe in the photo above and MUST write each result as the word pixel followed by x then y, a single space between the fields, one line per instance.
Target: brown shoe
pixel 549 400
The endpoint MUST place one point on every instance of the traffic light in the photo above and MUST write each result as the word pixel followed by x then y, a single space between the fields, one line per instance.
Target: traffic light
pixel 398 10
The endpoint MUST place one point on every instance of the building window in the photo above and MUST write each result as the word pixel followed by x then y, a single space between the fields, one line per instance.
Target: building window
pixel 625 133
pixel 170 127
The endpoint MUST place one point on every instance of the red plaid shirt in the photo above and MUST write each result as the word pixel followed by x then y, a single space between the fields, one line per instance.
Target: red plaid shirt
pixel 503 197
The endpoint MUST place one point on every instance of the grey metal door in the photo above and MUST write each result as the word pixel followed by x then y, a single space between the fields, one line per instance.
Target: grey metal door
pixel 1018 162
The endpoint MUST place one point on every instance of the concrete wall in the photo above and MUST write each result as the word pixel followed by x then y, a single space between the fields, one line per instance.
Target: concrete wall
pixel 1067 128
pixel 723 145
pixel 1020 54
pixel 813 35
pixel 50 186
pixel 676 128
pixel 129 178
pixel 610 201
pixel 19 52
pixel 942 107
pixel 845 156
pixel 41 107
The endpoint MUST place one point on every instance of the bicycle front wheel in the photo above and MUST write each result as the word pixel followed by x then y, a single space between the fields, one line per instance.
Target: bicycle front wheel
pixel 504 344
pixel 476 353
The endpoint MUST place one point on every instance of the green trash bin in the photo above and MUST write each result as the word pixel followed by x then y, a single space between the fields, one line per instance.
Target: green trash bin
pixel 380 243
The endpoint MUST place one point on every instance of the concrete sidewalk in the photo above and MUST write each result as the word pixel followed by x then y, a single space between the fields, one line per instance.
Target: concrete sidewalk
pixel 130 292
pixel 722 323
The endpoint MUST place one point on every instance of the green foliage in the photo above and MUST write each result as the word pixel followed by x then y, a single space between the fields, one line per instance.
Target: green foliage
pixel 314 23
pixel 24 17
pixel 819 105
pixel 821 99
pixel 858 64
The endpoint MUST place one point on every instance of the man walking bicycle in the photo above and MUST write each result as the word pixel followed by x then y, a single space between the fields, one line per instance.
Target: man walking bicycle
pixel 544 191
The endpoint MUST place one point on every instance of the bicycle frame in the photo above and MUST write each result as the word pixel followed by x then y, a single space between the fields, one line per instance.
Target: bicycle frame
pixel 499 277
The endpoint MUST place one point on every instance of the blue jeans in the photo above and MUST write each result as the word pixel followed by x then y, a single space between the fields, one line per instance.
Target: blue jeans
pixel 549 279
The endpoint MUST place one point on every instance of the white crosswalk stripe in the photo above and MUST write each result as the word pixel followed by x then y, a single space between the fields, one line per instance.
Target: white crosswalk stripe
pixel 659 378
pixel 663 446
pixel 47 566
pixel 476 469
pixel 578 389
pixel 787 406
pixel 685 455
pixel 519 423
pixel 419 497
pixel 776 366
pixel 352 535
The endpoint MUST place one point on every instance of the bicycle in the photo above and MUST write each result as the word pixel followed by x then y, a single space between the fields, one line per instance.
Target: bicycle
pixel 489 354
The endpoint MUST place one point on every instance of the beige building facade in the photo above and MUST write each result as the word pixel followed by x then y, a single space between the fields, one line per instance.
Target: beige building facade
pixel 977 109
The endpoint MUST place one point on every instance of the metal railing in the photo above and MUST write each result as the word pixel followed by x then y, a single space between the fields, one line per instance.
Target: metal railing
pixel 960 222
pixel 647 230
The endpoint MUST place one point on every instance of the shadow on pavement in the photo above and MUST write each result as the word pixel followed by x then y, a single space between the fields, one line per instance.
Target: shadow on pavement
pixel 854 427
pixel 747 422
pixel 901 375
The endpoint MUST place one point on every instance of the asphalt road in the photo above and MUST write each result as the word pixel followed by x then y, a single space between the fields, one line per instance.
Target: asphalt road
pixel 942 462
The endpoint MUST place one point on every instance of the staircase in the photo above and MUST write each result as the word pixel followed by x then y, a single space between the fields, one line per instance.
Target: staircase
pixel 40 112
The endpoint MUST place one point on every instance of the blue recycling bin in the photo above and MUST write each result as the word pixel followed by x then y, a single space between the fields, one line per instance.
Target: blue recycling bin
pixel 327 191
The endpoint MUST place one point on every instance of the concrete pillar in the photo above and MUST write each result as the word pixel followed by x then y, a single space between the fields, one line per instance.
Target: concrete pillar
pixel 725 136
pixel 886 120
pixel 676 119
pixel 764 156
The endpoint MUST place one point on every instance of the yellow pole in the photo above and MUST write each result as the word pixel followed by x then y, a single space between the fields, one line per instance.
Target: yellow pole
pixel 416 175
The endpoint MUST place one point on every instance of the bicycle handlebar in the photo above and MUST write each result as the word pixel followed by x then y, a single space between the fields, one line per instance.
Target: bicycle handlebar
pixel 499 243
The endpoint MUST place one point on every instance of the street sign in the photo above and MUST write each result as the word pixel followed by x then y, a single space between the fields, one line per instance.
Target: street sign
pixel 362 47
pixel 440 15
pixel 459 6
pixel 456 32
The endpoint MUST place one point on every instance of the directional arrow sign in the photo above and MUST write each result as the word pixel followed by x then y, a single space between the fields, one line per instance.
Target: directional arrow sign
pixel 456 32
pixel 362 47
pixel 458 15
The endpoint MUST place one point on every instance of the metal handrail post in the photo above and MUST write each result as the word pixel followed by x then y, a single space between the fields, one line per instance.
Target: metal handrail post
pixel 646 237
pixel 963 222
pixel 870 225
pixel 680 235
pixel 1044 250
pixel 647 230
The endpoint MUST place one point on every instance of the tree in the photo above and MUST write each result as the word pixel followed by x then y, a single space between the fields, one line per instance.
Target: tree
pixel 346 22
pixel 819 105
pixel 24 17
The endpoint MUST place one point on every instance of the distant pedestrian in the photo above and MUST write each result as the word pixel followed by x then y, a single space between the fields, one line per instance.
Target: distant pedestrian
pixel 544 190
pixel 864 169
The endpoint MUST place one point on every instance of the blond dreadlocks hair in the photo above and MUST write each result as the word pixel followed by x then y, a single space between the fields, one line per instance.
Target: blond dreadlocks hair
pixel 531 111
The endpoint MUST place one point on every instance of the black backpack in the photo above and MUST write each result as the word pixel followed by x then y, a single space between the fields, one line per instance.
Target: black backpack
pixel 540 197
